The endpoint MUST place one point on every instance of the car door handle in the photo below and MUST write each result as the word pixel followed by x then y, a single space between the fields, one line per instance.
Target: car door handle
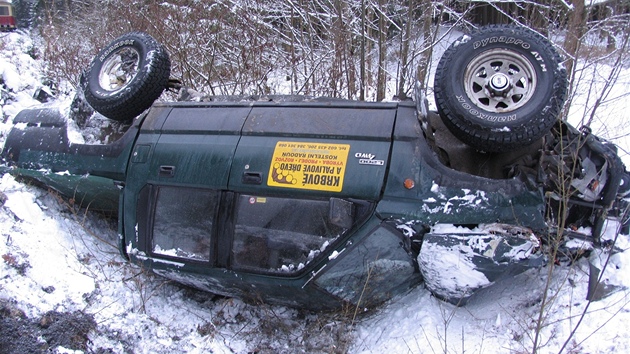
pixel 167 171
pixel 252 178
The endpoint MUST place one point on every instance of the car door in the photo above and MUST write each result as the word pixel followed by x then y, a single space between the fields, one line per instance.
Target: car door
pixel 317 149
pixel 182 158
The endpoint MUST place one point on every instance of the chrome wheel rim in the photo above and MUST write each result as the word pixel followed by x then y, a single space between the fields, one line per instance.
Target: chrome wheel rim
pixel 500 81
pixel 119 69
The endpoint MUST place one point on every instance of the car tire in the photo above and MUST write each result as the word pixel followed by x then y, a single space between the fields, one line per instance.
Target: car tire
pixel 127 76
pixel 500 88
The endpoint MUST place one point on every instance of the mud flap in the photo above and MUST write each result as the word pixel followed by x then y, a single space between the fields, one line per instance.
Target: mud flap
pixel 598 286
pixel 455 262
pixel 594 286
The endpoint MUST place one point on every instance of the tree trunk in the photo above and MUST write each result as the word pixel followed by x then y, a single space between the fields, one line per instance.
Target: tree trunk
pixel 575 31
pixel 427 48
pixel 381 78
pixel 404 52
pixel 362 58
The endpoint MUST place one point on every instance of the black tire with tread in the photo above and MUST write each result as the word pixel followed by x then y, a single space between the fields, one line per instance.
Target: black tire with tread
pixel 142 90
pixel 500 131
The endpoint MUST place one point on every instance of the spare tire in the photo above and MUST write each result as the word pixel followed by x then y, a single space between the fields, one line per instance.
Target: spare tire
pixel 127 76
pixel 500 88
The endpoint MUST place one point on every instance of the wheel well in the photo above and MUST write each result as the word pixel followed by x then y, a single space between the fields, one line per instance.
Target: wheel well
pixel 460 156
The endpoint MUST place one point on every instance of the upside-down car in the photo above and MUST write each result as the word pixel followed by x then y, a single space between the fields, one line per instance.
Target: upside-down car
pixel 319 203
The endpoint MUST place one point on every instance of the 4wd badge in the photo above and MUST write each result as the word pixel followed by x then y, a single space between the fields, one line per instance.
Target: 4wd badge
pixel 304 165
pixel 368 159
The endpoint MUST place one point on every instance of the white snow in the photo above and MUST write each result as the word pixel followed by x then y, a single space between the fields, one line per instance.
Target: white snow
pixel 58 258
pixel 450 269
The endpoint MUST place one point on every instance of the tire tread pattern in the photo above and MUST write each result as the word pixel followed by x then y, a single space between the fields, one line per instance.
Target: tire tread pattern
pixel 486 137
pixel 151 80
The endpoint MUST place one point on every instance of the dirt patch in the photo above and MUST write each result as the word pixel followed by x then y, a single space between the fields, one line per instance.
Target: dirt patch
pixel 20 334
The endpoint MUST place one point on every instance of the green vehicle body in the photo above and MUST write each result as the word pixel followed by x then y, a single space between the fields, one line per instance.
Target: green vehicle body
pixel 369 163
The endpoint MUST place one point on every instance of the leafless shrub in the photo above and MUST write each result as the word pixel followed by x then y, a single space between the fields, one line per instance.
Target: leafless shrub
pixel 337 49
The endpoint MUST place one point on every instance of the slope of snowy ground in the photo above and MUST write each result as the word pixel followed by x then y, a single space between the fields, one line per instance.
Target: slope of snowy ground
pixel 64 288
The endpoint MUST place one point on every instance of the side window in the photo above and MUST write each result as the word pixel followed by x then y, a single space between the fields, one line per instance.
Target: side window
pixel 183 222
pixel 281 234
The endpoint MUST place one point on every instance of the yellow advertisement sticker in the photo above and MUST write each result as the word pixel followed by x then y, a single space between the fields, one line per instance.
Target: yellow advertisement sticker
pixel 314 166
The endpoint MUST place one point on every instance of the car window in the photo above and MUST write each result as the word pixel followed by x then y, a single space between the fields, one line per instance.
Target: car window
pixel 281 234
pixel 183 222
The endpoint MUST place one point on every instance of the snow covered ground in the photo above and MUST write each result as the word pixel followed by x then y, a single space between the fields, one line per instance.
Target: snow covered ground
pixel 62 263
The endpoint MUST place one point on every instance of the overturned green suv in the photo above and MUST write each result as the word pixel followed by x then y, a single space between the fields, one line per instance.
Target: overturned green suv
pixel 320 203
